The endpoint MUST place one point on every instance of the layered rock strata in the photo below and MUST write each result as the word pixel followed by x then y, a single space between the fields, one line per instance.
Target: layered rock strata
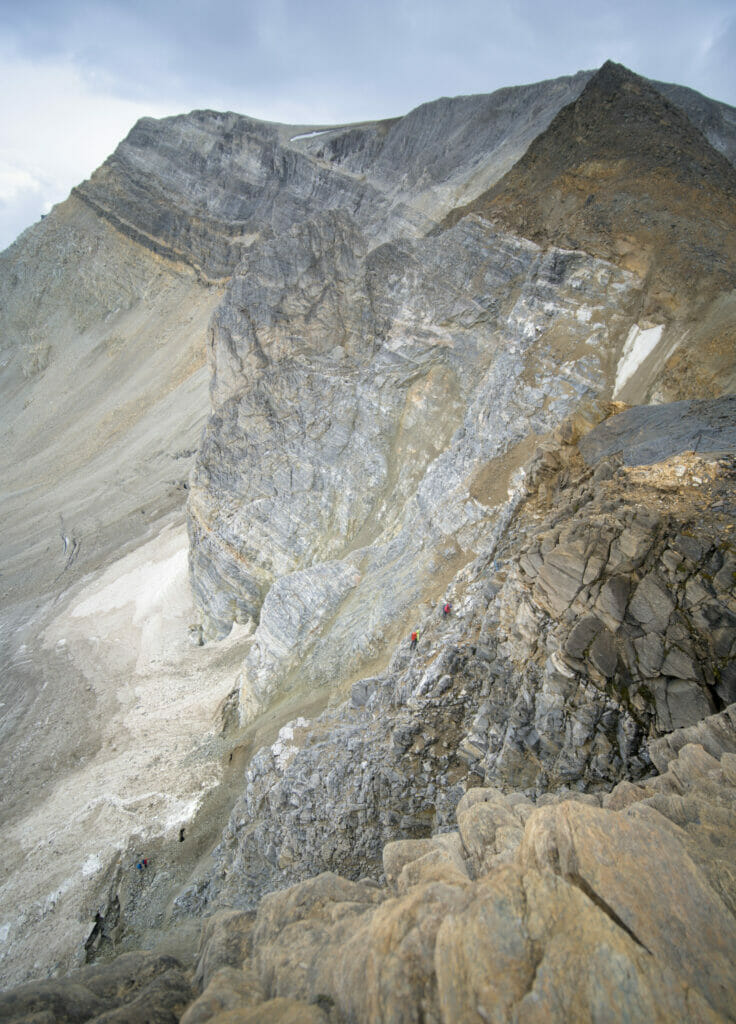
pixel 430 356
pixel 378 379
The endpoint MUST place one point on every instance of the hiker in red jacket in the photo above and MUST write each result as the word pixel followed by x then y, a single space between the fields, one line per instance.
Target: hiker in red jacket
pixel 447 609
pixel 414 639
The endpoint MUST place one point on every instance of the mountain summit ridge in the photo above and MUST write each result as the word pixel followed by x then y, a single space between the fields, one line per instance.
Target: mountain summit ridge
pixel 273 399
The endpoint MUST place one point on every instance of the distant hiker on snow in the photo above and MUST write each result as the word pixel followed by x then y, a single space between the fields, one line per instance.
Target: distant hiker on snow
pixel 414 639
pixel 447 609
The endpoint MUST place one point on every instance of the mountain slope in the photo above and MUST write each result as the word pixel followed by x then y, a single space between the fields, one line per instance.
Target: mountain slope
pixel 379 383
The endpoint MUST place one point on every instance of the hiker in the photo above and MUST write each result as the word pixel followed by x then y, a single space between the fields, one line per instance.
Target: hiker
pixel 414 639
pixel 447 609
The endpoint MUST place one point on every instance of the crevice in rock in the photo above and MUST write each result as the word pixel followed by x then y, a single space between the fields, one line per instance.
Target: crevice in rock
pixel 585 887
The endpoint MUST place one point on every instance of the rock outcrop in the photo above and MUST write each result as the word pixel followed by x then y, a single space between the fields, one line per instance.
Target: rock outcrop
pixel 603 615
pixel 623 173
pixel 557 912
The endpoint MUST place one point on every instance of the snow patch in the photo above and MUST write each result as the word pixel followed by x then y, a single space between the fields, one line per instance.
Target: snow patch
pixel 4 932
pixel 91 866
pixel 148 587
pixel 310 135
pixel 639 344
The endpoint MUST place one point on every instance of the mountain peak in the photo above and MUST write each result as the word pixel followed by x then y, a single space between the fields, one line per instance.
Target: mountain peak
pixel 624 173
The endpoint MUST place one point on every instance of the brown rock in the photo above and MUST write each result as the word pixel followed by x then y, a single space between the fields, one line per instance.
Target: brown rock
pixel 634 866
pixel 274 1011
pixel 225 941
pixel 531 947
pixel 228 989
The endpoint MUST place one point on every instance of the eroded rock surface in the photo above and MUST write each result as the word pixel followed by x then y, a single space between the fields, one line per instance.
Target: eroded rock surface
pixel 601 617
pixel 556 912
pixel 386 390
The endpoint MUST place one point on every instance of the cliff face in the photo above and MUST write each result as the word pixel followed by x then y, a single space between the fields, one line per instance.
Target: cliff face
pixel 416 334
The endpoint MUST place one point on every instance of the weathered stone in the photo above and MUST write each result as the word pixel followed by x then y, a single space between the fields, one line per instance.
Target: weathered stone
pixel 531 563
pixel 612 601
pixel 725 579
pixel 560 578
pixel 716 734
pixel 603 654
pixel 133 987
pixel 162 1000
pixel 726 684
pixel 578 843
pixel 678 663
pixel 689 547
pixel 680 703
pixel 582 636
pixel 651 604
pixel 274 1011
pixel 228 989
pixel 649 653
pixel 225 941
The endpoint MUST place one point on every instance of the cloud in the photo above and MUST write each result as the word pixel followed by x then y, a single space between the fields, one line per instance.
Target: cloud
pixel 76 74
pixel 54 131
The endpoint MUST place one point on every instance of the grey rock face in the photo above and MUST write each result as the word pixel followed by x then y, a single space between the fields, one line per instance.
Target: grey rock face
pixel 421 376
pixel 530 685
pixel 651 433
pixel 262 179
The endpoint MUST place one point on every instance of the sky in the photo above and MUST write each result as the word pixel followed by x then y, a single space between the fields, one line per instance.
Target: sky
pixel 77 74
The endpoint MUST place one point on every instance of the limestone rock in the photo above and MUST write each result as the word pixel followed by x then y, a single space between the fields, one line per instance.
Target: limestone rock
pixel 225 941
pixel 568 925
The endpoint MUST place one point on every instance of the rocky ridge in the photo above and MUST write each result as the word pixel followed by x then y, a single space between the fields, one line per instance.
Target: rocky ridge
pixel 623 173
pixel 379 381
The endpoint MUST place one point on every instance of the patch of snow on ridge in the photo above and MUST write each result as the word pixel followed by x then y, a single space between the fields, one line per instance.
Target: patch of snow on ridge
pixel 310 135
pixel 639 344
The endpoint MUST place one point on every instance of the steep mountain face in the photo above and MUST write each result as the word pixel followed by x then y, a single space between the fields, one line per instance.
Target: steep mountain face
pixel 202 188
pixel 417 335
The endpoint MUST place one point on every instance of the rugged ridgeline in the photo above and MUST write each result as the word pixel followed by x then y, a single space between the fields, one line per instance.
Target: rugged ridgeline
pixel 404 317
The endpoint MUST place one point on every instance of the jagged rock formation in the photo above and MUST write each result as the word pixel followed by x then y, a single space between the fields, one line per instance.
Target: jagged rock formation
pixel 417 350
pixel 560 912
pixel 262 179
pixel 389 367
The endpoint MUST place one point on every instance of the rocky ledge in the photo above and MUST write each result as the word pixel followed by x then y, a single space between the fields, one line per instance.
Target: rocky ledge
pixel 550 912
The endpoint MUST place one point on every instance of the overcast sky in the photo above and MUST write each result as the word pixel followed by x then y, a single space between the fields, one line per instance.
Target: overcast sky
pixel 76 74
